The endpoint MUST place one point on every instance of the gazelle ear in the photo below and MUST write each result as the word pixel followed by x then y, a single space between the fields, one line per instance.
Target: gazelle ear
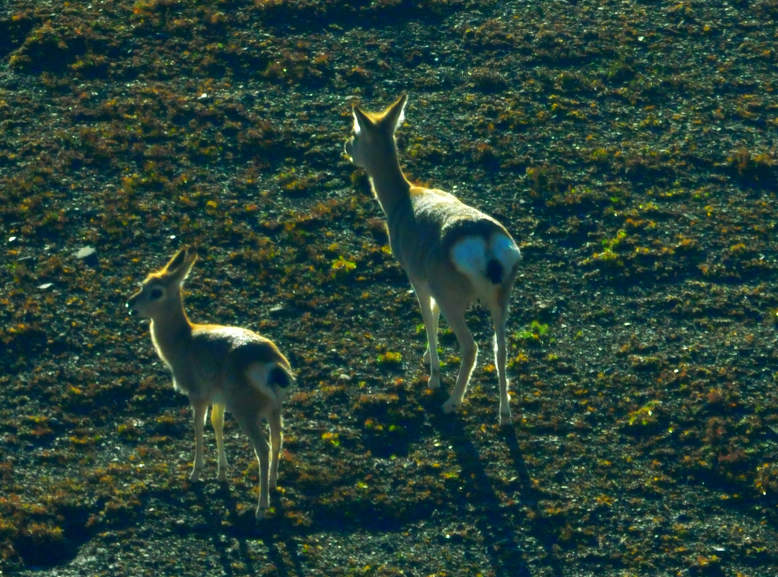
pixel 181 264
pixel 395 113
pixel 360 119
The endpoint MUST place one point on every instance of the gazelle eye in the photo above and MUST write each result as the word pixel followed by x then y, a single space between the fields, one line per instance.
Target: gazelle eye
pixel 155 293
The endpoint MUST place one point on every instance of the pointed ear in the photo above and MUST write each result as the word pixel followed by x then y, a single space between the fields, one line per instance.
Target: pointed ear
pixel 361 120
pixel 182 262
pixel 394 115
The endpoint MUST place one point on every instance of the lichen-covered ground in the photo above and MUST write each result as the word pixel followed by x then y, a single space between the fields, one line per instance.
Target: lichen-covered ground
pixel 631 148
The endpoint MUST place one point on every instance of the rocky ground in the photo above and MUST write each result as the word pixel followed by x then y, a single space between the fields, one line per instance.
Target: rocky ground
pixel 630 146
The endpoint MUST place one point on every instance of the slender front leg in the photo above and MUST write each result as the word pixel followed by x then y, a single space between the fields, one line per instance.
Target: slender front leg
pixel 276 442
pixel 199 409
pixel 217 421
pixel 430 313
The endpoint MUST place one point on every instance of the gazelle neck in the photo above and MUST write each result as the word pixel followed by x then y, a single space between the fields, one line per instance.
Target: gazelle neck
pixel 389 184
pixel 171 332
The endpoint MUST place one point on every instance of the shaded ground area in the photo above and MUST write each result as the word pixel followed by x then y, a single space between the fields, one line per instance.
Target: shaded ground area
pixel 629 146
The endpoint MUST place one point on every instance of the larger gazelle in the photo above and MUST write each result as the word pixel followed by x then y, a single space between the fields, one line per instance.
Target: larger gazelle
pixel 452 253
pixel 225 367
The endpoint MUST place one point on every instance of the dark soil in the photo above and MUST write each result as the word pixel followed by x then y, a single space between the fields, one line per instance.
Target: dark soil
pixel 630 147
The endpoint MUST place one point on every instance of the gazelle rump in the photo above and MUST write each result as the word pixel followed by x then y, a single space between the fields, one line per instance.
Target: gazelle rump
pixel 452 253
pixel 225 367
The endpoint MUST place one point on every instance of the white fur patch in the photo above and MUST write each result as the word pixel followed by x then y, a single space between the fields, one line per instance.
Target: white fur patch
pixel 469 256
pixel 257 374
pixel 237 336
pixel 504 250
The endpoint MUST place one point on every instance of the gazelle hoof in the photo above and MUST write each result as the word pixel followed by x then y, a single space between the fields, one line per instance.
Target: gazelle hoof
pixel 504 417
pixel 260 514
pixel 450 406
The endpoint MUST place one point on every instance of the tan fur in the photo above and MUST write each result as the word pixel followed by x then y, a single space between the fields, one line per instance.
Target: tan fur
pixel 224 367
pixel 425 225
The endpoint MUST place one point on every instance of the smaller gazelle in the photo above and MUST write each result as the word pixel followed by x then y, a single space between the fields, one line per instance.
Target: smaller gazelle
pixel 452 253
pixel 225 367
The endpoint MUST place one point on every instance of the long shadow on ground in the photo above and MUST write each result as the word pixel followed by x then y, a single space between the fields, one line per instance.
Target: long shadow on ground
pixel 495 522
pixel 244 527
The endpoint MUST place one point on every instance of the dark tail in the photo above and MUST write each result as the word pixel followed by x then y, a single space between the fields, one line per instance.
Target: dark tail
pixel 494 271
pixel 280 377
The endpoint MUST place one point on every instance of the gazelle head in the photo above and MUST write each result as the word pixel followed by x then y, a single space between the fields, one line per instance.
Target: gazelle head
pixel 160 292
pixel 373 138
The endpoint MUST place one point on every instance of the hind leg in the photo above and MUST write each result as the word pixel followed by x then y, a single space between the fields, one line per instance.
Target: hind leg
pixel 499 311
pixel 469 351
pixel 504 417
pixel 253 428
pixel 276 442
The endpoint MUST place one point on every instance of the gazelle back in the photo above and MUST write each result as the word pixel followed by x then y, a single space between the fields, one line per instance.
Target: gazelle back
pixel 225 367
pixel 452 253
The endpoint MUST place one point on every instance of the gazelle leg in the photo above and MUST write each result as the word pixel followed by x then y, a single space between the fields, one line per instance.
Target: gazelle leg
pixel 261 449
pixel 469 351
pixel 499 310
pixel 199 410
pixel 256 434
pixel 217 421
pixel 499 361
pixel 276 442
pixel 430 313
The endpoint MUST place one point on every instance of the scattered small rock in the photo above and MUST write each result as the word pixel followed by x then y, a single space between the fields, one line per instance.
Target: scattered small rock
pixel 87 254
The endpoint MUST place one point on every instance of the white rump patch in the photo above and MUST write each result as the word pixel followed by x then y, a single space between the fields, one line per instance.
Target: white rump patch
pixel 357 127
pixel 505 250
pixel 257 374
pixel 469 256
